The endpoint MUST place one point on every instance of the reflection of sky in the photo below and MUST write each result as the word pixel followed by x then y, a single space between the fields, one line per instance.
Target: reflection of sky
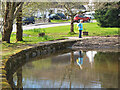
pixel 84 78
pixel 31 83
pixel 91 55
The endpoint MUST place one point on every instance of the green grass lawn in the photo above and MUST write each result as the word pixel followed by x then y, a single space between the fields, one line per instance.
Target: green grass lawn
pixel 53 33
pixel 59 32
pixel 59 21
pixel 92 28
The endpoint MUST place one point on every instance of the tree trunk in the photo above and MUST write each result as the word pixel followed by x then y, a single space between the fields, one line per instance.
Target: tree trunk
pixel 19 33
pixel 72 24
pixel 8 24
pixel 7 30
pixel 11 10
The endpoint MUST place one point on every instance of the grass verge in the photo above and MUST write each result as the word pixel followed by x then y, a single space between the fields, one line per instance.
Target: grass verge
pixel 30 37
pixel 59 21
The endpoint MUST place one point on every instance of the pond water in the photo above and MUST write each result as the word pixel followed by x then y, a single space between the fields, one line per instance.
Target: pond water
pixel 75 69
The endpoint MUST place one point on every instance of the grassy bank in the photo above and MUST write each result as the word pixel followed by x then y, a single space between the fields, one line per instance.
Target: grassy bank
pixel 92 28
pixel 59 21
pixel 59 32
pixel 30 37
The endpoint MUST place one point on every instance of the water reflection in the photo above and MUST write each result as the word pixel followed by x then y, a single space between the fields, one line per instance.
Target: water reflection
pixel 91 55
pixel 70 70
pixel 19 78
pixel 80 59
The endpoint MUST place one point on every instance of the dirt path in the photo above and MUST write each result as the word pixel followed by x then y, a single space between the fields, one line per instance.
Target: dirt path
pixel 98 43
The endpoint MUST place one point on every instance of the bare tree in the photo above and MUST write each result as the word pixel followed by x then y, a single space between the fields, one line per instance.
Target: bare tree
pixel 72 8
pixel 11 11
pixel 33 7
pixel 99 5
pixel 2 9
pixel 102 5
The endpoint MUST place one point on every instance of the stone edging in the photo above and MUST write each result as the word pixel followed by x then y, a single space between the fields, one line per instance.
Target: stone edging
pixel 23 56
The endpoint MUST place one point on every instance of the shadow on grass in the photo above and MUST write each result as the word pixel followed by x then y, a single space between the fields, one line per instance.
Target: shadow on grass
pixel 19 43
pixel 72 33
pixel 25 41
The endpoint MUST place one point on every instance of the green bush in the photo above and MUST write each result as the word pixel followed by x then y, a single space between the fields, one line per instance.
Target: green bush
pixel 108 16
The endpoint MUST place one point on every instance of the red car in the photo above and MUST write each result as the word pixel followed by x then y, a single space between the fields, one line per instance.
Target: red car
pixel 77 18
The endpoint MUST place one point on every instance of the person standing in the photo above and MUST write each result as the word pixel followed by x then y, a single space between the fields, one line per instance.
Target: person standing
pixel 80 28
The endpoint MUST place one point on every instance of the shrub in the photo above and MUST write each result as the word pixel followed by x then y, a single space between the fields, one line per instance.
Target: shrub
pixel 108 16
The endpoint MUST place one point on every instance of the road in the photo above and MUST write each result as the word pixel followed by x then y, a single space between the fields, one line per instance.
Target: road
pixel 43 25
pixel 40 25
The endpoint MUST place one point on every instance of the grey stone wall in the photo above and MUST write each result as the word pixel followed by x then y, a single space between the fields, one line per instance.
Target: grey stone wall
pixel 24 56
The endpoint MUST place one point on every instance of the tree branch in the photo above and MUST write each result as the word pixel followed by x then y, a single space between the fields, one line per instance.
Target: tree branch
pixel 18 9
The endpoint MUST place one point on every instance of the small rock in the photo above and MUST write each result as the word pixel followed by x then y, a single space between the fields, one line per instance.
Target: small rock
pixel 41 34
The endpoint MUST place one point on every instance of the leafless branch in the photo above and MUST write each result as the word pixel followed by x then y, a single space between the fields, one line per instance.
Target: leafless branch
pixel 18 9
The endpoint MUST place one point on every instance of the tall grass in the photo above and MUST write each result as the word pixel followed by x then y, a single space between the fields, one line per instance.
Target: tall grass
pixel 37 30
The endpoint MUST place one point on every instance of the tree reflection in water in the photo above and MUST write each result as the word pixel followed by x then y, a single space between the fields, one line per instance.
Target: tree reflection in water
pixel 73 68
pixel 100 71
pixel 19 78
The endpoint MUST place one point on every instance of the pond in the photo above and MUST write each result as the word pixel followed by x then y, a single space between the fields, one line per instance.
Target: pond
pixel 74 69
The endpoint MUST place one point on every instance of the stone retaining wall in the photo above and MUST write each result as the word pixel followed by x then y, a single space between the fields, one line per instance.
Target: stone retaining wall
pixel 22 57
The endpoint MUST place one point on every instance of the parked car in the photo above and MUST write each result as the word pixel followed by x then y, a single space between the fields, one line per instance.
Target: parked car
pixel 28 20
pixel 77 18
pixel 54 16
pixel 90 15
pixel 62 16
pixel 57 16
